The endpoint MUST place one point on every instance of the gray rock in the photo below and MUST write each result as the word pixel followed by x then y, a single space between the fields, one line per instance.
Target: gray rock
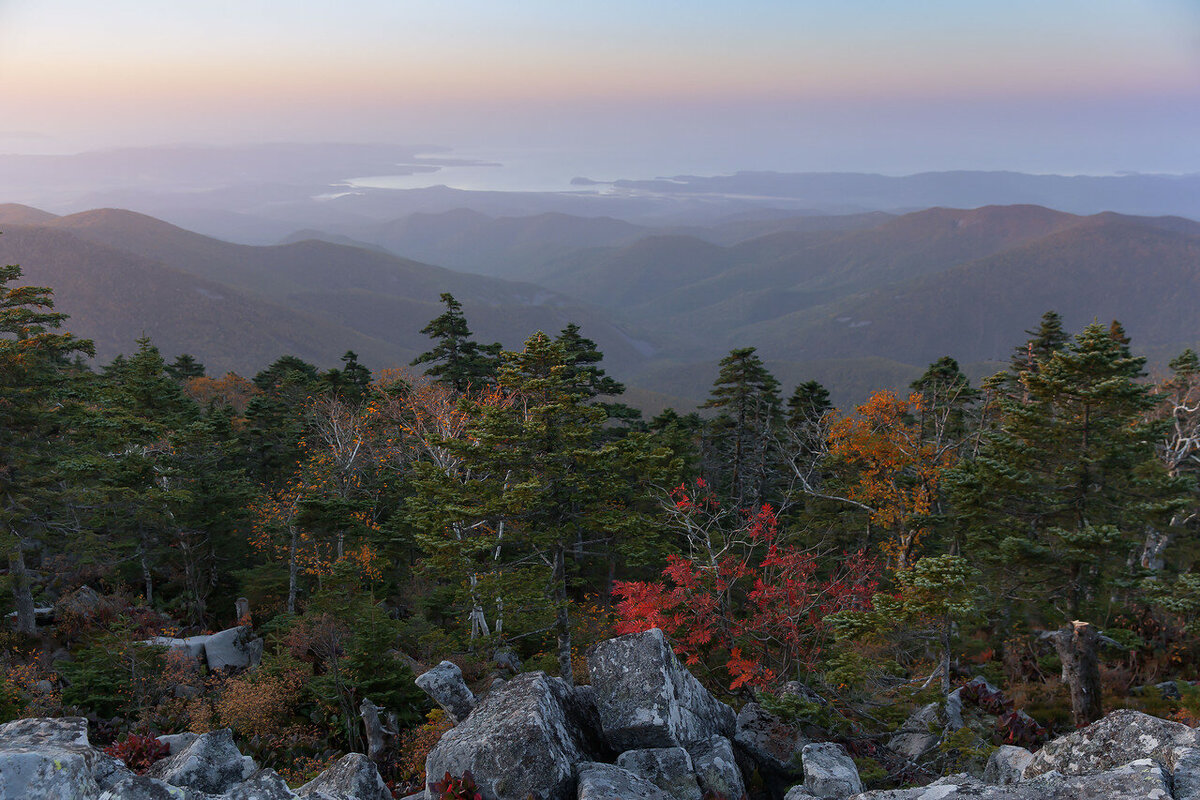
pixel 352 777
pixel 1186 777
pixel 608 782
pixel 178 741
pixel 234 648
pixel 192 647
pixel 1006 765
pixel 920 733
pixel 85 603
pixel 211 763
pixel 262 785
pixel 668 768
pixel 142 787
pixel 49 773
pixel 829 773
pixel 716 767
pixel 798 793
pixel 647 699
pixel 52 758
pixel 444 683
pixel 772 746
pixel 1119 738
pixel 524 737
pixel 1139 780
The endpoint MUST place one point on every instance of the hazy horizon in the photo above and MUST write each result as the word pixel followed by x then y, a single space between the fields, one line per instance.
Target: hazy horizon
pixel 629 89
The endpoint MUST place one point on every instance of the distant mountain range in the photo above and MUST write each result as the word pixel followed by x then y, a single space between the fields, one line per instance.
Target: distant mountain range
pixel 859 302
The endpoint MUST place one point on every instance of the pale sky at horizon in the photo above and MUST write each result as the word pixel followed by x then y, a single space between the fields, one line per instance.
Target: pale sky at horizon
pixel 874 85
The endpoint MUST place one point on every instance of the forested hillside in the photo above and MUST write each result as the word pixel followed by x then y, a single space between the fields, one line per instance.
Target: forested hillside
pixel 504 510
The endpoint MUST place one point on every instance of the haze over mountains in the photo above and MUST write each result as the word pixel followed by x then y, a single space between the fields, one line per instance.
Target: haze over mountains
pixel 858 301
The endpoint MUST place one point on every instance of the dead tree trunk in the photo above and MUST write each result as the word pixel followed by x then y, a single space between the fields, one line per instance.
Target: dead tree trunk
pixel 379 737
pixel 22 588
pixel 1077 645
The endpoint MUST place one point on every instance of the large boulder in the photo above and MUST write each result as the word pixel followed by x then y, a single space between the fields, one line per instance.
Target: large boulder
pixel 647 699
pixel 233 648
pixel 716 767
pixel 143 787
pixel 1006 765
pixel 262 785
pixel 920 733
pixel 1119 738
pixel 52 759
pixel 829 773
pixel 352 777
pixel 668 768
pixel 609 782
pixel 770 745
pixel 524 737
pixel 1139 780
pixel 444 683
pixel 212 763
pixel 191 647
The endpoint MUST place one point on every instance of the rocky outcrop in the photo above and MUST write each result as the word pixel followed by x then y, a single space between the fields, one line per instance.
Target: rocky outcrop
pixel 668 768
pixel 233 648
pixel 609 782
pixel 716 767
pixel 353 777
pixel 829 773
pixel 1117 739
pixel 1007 765
pixel 211 763
pixel 771 746
pixel 524 737
pixel 51 759
pixel 1138 780
pixel 647 699
pixel 444 683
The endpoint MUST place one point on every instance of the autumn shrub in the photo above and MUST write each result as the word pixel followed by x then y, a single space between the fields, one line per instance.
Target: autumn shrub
pixel 460 788
pixel 138 752
pixel 414 747
pixel 258 704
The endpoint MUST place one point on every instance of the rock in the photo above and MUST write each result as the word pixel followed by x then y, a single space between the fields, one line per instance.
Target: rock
pixel 234 648
pixel 716 767
pixel 524 737
pixel 920 733
pixel 1139 780
pixel 954 710
pixel 45 773
pixel 1186 777
pixel 1169 690
pixel 607 782
pixel 647 699
pixel 192 647
pixel 42 615
pixel 262 785
pixel 352 777
pixel 444 683
pixel 52 759
pixel 668 768
pixel 798 793
pixel 829 773
pixel 83 605
pixel 1006 765
pixel 506 660
pixel 772 745
pixel 1119 738
pixel 186 692
pixel 178 741
pixel 142 787
pixel 211 763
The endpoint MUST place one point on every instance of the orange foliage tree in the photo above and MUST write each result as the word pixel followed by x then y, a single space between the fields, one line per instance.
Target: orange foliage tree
pixel 894 471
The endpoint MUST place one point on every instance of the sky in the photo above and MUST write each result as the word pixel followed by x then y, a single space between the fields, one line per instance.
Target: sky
pixel 640 87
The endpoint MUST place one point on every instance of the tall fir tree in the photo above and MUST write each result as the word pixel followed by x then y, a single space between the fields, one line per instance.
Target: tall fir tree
pixel 740 447
pixel 457 360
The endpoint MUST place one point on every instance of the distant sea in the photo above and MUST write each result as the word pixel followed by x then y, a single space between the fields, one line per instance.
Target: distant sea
pixel 542 170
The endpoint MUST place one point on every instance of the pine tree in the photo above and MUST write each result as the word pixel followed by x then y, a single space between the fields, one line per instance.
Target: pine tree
pixel 185 366
pixel 457 360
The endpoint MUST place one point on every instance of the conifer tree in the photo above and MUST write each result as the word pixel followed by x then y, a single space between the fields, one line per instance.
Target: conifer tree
pixel 457 360
pixel 1065 482
pixel 740 442
pixel 36 430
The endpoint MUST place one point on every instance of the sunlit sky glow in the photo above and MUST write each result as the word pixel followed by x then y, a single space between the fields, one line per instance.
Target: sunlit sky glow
pixel 883 85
